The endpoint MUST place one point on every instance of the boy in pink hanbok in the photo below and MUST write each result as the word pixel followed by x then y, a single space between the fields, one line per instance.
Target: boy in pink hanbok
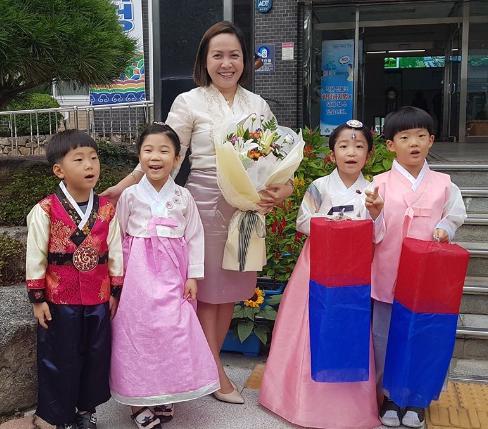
pixel 288 388
pixel 418 203
pixel 159 352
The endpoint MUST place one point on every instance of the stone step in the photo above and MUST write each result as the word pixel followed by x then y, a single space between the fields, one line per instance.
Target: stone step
pixel 472 337
pixel 468 370
pixel 478 258
pixel 475 296
pixel 464 174
pixel 476 199
pixel 475 228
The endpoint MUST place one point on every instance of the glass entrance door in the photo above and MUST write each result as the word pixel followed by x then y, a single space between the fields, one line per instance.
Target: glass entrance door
pixel 452 87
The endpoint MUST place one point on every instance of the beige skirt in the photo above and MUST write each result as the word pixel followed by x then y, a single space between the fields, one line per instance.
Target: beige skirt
pixel 219 286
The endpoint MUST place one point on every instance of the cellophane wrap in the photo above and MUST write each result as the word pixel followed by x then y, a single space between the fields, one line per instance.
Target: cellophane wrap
pixel 240 179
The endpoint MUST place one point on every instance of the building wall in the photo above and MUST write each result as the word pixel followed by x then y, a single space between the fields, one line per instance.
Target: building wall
pixel 279 88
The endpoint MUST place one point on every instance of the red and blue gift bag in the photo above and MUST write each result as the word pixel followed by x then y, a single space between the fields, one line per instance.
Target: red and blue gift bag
pixel 340 299
pixel 423 322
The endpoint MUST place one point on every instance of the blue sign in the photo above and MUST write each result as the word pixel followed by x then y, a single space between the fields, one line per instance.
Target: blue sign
pixel 337 84
pixel 264 6
pixel 267 55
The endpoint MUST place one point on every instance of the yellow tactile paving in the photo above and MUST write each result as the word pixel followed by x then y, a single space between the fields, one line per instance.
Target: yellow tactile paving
pixel 254 380
pixel 461 406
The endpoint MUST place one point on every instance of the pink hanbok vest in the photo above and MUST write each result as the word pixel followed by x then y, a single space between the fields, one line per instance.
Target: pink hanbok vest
pixel 407 213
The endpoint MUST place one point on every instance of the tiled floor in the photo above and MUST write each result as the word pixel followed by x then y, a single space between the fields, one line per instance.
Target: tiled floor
pixel 459 152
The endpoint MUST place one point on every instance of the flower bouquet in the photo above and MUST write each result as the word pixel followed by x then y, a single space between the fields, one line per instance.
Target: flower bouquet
pixel 254 155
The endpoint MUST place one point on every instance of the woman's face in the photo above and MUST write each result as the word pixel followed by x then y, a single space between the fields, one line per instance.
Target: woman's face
pixel 225 61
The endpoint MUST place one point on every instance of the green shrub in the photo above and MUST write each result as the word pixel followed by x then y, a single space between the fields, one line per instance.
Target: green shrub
pixel 117 155
pixel 12 260
pixel 27 187
pixel 23 121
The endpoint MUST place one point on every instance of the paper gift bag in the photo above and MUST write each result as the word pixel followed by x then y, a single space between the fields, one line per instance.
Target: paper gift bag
pixel 423 322
pixel 339 299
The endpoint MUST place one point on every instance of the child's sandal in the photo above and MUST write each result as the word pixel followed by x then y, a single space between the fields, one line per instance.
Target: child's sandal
pixel 164 412
pixel 145 419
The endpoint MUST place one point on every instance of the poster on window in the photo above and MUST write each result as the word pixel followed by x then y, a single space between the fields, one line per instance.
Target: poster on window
pixel 337 84
pixel 130 85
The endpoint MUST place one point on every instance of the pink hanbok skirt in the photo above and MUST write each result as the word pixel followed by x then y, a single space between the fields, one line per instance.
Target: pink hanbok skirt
pixel 159 352
pixel 288 389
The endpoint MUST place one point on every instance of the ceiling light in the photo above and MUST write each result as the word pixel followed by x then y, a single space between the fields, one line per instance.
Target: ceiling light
pixel 406 51
pixel 376 52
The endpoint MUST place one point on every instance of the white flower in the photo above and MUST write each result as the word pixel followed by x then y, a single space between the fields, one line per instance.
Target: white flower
pixel 244 146
pixel 288 139
pixel 266 140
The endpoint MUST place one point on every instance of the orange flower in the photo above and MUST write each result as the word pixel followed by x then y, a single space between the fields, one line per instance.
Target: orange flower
pixel 308 151
pixel 254 154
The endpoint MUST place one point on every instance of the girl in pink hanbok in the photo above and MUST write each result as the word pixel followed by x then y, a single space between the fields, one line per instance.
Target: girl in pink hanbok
pixel 288 388
pixel 159 352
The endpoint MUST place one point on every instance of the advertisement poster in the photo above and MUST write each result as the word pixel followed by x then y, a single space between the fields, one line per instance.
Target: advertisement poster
pixel 130 85
pixel 337 85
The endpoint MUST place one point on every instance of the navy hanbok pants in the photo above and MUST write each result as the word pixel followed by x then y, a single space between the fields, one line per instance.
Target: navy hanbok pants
pixel 73 361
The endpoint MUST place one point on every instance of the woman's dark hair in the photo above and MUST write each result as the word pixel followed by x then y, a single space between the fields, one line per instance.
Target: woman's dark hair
pixel 200 73
pixel 365 130
pixel 407 118
pixel 160 128
pixel 61 143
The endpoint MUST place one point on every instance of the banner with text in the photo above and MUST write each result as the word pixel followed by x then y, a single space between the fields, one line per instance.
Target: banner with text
pixel 130 85
pixel 336 92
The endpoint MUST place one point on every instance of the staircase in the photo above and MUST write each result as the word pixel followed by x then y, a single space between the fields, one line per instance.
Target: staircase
pixel 470 361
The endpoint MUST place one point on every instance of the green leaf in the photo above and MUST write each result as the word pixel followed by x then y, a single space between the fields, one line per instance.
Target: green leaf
pixel 378 168
pixel 238 312
pixel 274 299
pixel 261 332
pixel 249 312
pixel 271 125
pixel 244 329
pixel 268 313
pixel 387 164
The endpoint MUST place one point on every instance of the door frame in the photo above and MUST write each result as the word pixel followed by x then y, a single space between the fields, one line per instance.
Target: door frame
pixel 463 21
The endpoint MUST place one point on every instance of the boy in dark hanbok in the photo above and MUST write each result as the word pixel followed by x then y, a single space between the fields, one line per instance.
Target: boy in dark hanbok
pixel 74 273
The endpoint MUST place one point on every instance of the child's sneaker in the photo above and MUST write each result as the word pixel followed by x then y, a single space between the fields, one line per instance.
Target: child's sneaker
pixel 164 412
pixel 86 420
pixel 414 417
pixel 144 418
pixel 390 413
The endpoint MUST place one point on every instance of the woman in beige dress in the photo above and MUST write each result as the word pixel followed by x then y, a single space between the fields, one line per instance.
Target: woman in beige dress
pixel 222 63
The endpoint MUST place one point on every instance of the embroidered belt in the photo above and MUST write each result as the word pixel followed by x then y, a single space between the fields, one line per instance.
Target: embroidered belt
pixel 83 259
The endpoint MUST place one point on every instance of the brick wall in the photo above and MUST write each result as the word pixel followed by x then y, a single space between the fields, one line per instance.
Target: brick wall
pixel 280 87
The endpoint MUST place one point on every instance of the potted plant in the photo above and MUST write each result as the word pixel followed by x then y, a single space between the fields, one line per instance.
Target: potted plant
pixel 252 322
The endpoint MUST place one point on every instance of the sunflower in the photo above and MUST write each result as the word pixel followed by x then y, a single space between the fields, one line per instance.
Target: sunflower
pixel 256 300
